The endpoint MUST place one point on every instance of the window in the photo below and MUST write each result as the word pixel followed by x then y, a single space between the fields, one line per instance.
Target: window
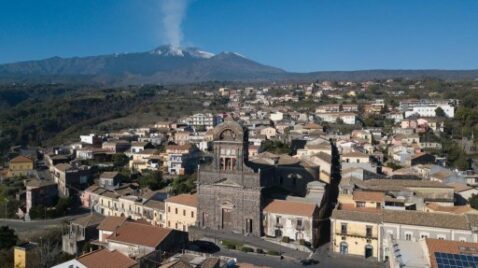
pixel 379 205
pixel 184 212
pixel 169 209
pixel 176 225
pixel 343 228
pixel 192 214
pixel 424 235
pixel 368 231
pixel 408 236
pixel 299 222
pixel 441 237
pixel 462 239
pixel 169 224
pixel 176 210
pixel 278 219
pixel 360 204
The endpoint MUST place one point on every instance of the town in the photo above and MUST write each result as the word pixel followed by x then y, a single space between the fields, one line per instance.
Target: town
pixel 378 173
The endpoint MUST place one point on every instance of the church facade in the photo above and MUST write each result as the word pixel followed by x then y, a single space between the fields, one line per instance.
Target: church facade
pixel 229 192
pixel 233 191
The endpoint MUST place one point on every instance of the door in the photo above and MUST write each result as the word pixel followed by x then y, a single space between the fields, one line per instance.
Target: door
pixel 344 248
pixel 227 219
pixel 368 251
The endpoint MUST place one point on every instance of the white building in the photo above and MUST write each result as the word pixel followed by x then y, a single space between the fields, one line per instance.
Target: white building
pixel 347 118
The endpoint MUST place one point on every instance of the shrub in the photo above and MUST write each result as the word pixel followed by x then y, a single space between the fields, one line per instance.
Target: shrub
pixel 230 244
pixel 273 252
pixel 285 239
pixel 247 249
pixel 260 251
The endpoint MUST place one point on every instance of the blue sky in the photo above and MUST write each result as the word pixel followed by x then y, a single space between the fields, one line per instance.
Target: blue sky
pixel 296 35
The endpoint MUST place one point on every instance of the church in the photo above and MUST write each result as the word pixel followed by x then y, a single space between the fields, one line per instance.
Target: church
pixel 232 190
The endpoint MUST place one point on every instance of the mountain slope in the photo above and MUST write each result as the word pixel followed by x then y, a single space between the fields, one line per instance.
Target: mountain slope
pixel 167 64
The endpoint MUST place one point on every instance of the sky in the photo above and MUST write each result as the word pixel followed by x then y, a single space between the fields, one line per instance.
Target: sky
pixel 295 35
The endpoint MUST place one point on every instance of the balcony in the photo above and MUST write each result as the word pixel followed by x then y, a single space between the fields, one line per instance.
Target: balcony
pixel 357 234
pixel 278 225
pixel 299 227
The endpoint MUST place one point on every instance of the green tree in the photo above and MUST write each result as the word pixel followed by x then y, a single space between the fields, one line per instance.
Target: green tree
pixel 120 160
pixel 473 200
pixel 184 184
pixel 439 112
pixel 8 238
pixel 153 180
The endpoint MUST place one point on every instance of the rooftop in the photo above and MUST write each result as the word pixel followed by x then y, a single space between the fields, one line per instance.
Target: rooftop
pixel 104 258
pixel 288 207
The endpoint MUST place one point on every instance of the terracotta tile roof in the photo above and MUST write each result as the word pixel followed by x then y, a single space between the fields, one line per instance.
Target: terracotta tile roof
pixel 104 258
pixel 437 220
pixel 355 154
pixel 140 234
pixel 184 199
pixel 288 207
pixel 354 215
pixel 459 187
pixel 450 209
pixel 448 246
pixel 110 223
pixel 89 220
pixel 21 159
pixel 369 196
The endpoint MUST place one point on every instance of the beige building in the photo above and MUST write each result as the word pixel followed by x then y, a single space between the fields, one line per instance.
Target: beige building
pixel 356 232
pixel 181 211
pixel 293 219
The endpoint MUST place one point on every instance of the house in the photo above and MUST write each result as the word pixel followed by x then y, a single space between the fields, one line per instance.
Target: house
pixel 69 177
pixel 147 159
pixel 138 239
pixel 20 166
pixel 137 147
pixel 107 226
pixel 345 118
pixel 355 157
pixel 40 193
pixel 81 231
pixel 181 211
pixel 156 210
pixel 100 259
pixel 109 180
pixel 119 146
pixel 182 137
pixel 26 255
pixel 91 139
pixel 293 219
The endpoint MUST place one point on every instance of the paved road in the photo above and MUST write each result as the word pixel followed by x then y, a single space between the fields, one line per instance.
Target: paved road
pixel 324 260
pixel 20 225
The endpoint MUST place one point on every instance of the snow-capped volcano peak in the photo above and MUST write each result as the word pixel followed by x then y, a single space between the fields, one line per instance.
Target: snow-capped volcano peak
pixel 174 51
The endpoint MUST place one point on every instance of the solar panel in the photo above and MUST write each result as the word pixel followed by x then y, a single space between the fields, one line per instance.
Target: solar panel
pixel 447 260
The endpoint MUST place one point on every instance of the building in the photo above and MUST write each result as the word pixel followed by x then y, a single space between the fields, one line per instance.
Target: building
pixel 20 166
pixel 69 178
pixel 91 139
pixel 229 192
pixel 40 192
pixel 109 180
pixel 293 219
pixel 26 255
pixel 100 259
pixel 181 211
pixel 80 231
pixel 356 233
pixel 345 118
pixel 138 239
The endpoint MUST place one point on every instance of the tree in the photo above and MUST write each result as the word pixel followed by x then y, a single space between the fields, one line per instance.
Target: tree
pixel 184 184
pixel 473 200
pixel 152 180
pixel 119 160
pixel 8 238
pixel 439 112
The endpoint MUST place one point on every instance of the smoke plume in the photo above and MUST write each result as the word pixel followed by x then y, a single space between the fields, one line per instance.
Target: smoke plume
pixel 173 12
